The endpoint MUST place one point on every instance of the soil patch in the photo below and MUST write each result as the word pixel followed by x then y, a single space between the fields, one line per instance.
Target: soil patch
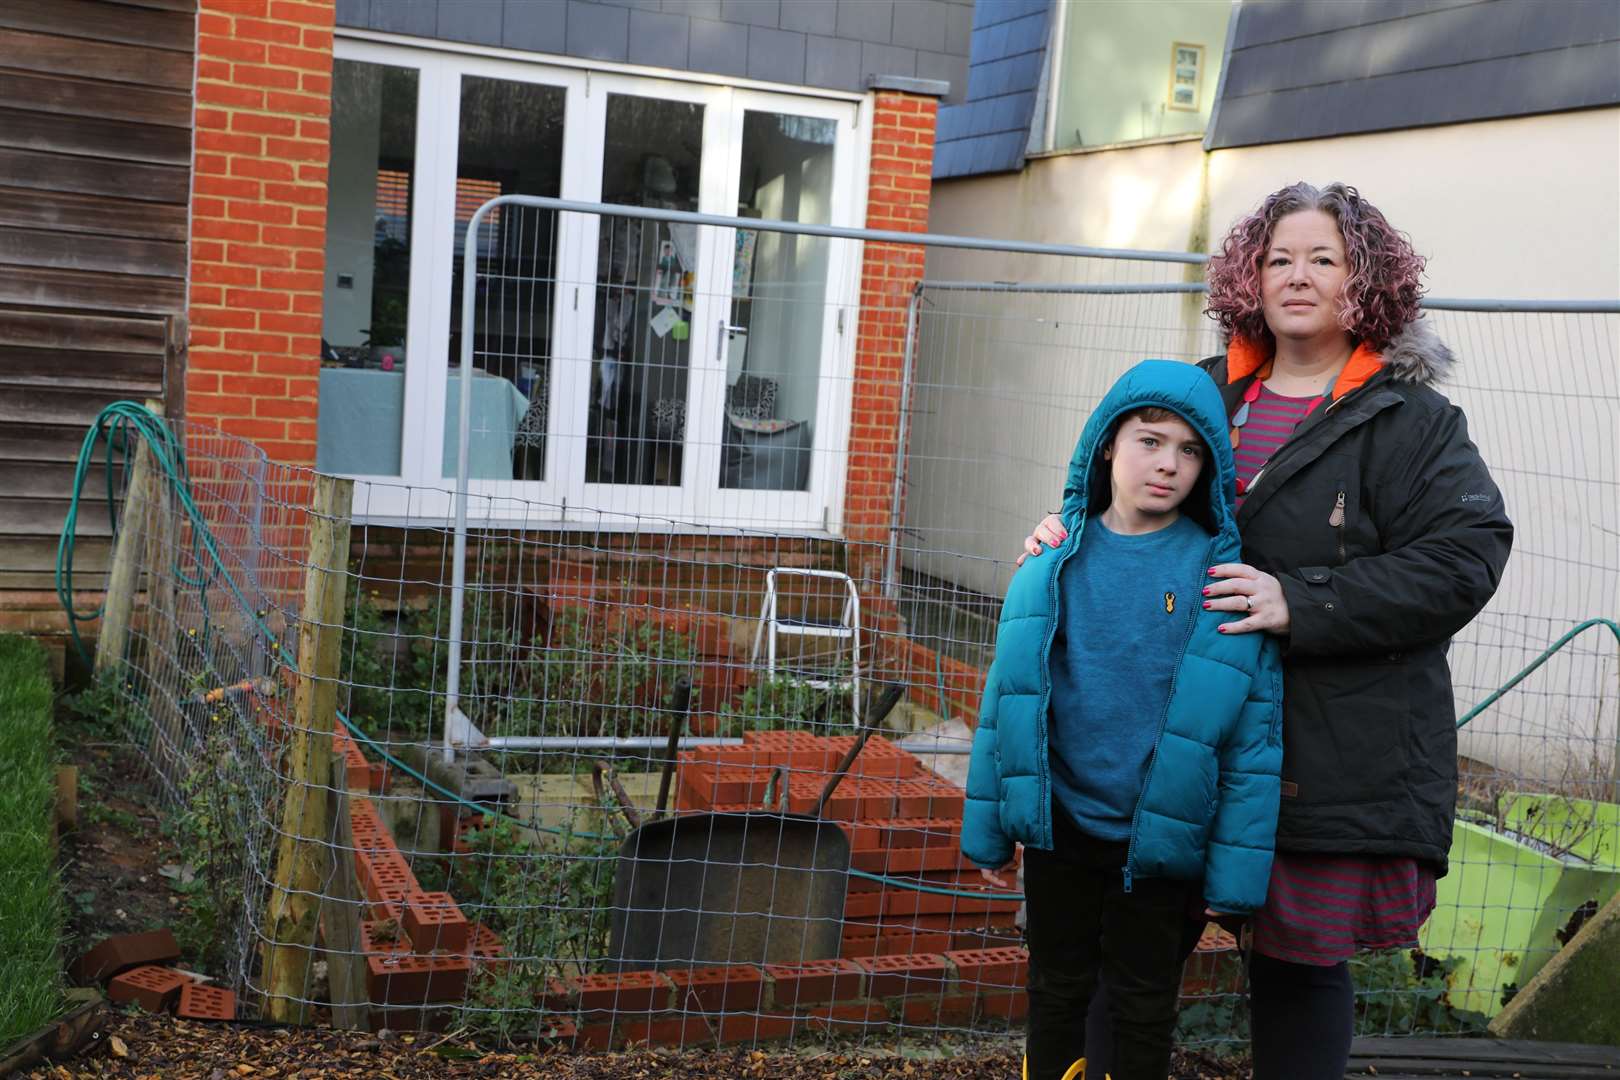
pixel 161 1046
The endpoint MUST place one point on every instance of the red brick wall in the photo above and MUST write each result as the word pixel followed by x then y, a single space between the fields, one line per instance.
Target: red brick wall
pixel 897 199
pixel 258 219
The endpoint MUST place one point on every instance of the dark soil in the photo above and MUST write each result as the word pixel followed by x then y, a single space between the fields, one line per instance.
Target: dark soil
pixel 165 1047
pixel 110 863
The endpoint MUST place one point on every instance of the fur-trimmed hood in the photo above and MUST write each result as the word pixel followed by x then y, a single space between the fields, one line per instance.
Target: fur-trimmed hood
pixel 1417 355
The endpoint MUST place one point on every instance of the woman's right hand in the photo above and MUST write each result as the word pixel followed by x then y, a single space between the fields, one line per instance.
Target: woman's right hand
pixel 1050 532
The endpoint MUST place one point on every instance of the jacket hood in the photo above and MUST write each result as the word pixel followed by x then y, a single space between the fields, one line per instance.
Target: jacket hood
pixel 1190 393
pixel 1417 355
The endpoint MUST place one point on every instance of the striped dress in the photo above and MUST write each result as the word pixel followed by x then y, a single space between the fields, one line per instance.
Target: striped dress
pixel 1320 909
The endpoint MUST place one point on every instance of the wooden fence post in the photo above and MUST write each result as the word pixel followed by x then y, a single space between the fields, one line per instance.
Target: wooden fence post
pixel 301 857
pixel 342 908
pixel 125 573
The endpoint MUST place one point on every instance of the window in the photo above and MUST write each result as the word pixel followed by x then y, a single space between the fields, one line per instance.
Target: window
pixel 1127 71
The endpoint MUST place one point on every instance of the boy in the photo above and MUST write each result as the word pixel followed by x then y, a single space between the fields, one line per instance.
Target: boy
pixel 1129 745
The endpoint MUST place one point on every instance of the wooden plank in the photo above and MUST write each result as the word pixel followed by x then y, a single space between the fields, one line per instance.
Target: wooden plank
pixel 120 373
pixel 95 176
pixel 125 573
pixel 1483 1050
pixel 83 97
pixel 1462 1065
pixel 43 287
pixel 36 555
pixel 90 333
pixel 44 517
pixel 52 405
pixel 83 251
pixel 100 215
pixel 37 442
pixel 126 140
pixel 102 22
pixel 293 908
pixel 56 55
pixel 50 481
pixel 160 5
pixel 342 908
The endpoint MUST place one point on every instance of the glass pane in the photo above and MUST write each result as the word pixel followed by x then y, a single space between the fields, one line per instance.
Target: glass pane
pixel 778 302
pixel 367 290
pixel 510 144
pixel 641 350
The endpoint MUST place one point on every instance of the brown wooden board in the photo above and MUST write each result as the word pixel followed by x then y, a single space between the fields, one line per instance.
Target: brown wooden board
pixel 52 405
pixel 42 481
pixel 160 5
pixel 97 215
pixel 95 175
pixel 22 443
pixel 128 374
pixel 102 22
pixel 81 251
pixel 44 287
pixel 86 97
pixel 58 55
pixel 56 133
pixel 56 330
pixel 1397 1058
pixel 31 554
pixel 44 517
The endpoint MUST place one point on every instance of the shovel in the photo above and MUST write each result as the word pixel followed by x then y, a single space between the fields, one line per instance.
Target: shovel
pixel 760 887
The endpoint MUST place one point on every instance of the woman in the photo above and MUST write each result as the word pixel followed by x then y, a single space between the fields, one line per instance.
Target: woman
pixel 1372 532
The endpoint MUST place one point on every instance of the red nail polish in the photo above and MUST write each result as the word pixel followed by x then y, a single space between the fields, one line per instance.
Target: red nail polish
pixel 1206 592
pixel 1221 628
pixel 1206 605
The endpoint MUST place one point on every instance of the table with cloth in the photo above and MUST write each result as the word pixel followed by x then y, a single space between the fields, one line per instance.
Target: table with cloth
pixel 362 419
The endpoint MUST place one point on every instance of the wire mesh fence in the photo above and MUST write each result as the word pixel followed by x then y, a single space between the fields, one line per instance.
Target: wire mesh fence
pixel 585 795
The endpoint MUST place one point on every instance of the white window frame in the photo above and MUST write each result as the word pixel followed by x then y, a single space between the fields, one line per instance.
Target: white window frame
pixel 698 503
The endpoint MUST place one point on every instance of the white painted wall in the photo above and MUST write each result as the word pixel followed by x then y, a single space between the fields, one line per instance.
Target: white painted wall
pixel 1526 208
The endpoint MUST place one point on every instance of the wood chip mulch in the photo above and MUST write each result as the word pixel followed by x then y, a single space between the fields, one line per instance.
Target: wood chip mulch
pixel 149 1047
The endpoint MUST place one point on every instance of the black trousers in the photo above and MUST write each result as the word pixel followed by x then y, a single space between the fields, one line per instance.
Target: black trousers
pixel 1082 924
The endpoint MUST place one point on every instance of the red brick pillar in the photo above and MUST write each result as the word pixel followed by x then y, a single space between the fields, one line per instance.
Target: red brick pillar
pixel 258 220
pixel 897 199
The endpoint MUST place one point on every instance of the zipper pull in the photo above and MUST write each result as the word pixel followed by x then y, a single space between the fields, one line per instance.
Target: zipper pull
pixel 1336 519
pixel 1126 870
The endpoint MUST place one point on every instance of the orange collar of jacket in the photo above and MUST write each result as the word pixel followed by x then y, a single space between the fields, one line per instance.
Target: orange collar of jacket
pixel 1245 357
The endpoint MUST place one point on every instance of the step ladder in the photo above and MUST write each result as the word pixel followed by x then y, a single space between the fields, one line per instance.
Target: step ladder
pixel 847 628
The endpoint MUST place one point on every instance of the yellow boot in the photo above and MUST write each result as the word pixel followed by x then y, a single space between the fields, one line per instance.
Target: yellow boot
pixel 1077 1071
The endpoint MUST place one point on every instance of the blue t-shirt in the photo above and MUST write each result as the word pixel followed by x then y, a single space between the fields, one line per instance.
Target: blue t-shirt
pixel 1125 602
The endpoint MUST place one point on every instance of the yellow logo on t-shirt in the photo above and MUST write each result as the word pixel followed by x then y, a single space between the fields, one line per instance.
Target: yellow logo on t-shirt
pixel 1170 603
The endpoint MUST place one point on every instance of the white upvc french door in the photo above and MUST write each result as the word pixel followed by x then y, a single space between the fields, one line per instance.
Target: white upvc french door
pixel 651 142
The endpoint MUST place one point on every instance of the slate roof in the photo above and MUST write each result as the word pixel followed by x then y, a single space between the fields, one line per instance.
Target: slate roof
pixel 989 131
pixel 1300 69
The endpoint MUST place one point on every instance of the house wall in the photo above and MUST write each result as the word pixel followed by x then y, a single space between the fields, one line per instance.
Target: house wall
pixel 258 220
pixel 1517 208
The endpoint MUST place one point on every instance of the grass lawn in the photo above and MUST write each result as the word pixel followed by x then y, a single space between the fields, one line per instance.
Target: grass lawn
pixel 30 898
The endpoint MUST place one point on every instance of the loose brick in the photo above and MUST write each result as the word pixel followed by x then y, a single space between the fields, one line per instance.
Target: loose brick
pixel 958 1009
pixel 841 1019
pixel 113 955
pixel 435 922
pixel 814 981
pixel 756 1027
pixel 1013 1006
pixel 407 979
pixel 198 1002
pixel 629 991
pixel 892 976
pixel 990 969
pixel 662 1029
pixel 724 988
pixel 151 987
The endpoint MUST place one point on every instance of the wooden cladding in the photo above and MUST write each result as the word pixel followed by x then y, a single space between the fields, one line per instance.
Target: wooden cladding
pixel 96 101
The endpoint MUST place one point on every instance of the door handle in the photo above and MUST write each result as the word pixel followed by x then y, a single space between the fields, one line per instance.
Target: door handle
pixel 726 329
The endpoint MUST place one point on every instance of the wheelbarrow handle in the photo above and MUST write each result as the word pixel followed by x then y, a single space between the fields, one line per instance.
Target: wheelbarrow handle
pixel 627 807
pixel 885 705
pixel 680 707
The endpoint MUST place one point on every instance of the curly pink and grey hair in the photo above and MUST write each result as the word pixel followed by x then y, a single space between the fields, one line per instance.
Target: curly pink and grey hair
pixel 1381 294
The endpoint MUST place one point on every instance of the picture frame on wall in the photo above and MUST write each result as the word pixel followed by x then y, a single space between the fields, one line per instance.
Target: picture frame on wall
pixel 1186 77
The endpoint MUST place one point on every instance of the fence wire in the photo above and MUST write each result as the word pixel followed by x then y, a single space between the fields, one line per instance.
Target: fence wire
pixel 601 859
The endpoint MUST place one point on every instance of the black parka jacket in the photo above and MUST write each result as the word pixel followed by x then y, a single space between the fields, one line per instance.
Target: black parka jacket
pixel 1374 597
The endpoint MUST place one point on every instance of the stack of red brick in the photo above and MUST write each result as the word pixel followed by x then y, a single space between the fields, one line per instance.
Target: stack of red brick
pixel 135 969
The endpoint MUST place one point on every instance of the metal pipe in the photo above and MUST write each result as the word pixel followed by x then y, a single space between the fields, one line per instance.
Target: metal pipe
pixel 602 742
pixel 891 566
pixel 458 568
pixel 1562 307
pixel 1125 288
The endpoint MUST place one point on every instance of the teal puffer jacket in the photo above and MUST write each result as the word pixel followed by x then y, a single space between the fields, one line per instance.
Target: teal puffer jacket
pixel 1208 807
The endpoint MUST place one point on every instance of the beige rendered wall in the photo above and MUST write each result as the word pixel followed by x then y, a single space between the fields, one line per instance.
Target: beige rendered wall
pixel 1526 209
